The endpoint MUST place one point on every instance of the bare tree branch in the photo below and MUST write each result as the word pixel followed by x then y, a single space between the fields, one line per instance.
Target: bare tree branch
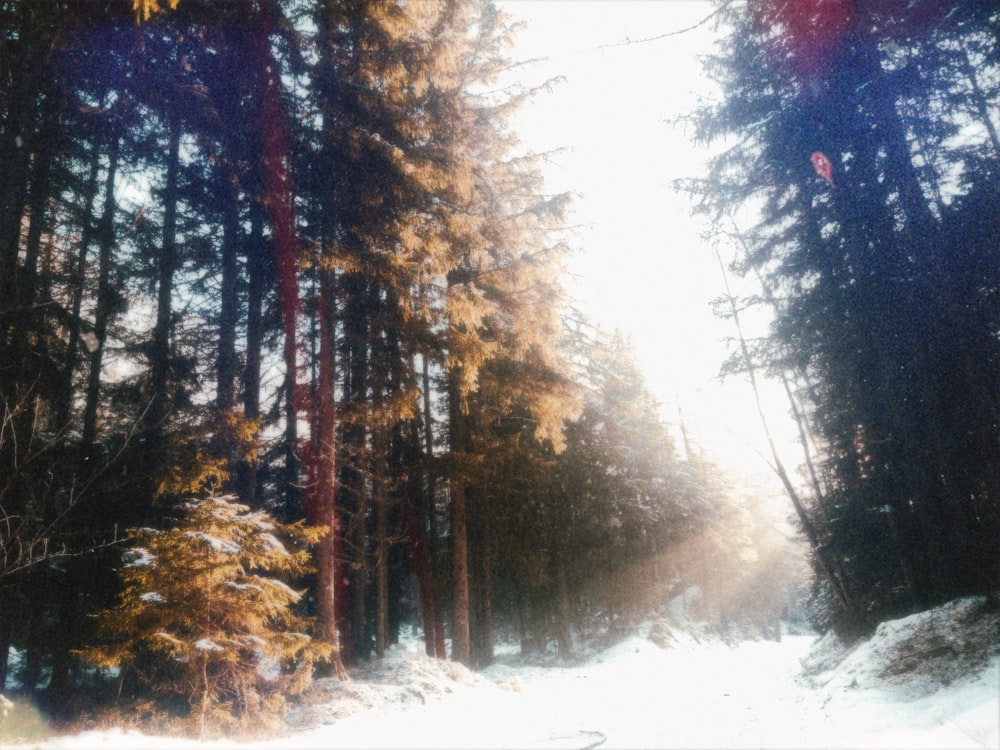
pixel 29 535
pixel 627 42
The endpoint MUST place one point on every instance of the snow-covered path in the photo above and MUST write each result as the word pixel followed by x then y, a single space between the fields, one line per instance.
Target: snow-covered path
pixel 634 695
pixel 637 695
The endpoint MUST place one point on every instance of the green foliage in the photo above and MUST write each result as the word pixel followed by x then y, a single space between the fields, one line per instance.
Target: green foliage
pixel 206 615
pixel 883 285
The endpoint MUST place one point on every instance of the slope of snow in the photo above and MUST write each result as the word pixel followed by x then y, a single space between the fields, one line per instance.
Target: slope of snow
pixel 927 681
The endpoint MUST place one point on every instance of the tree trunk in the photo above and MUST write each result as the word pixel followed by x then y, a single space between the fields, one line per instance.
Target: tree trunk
pixel 460 645
pixel 414 509
pixel 320 498
pixel 416 536
pixel 36 643
pixel 353 497
pixel 225 396
pixel 480 552
pixel 485 627
pixel 381 562
pixel 71 358
pixel 16 150
pixel 380 422
pixel 279 200
pixel 429 532
pixel 103 311
pixel 38 197
pixel 159 370
pixel 246 470
pixel 564 610
pixel 835 582
pixel 6 622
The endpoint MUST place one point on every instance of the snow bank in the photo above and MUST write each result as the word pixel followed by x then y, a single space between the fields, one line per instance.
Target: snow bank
pixel 927 681
pixel 405 678
pixel 914 656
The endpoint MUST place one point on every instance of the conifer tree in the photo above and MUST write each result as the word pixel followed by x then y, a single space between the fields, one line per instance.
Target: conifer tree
pixel 207 614
pixel 396 307
pixel 876 309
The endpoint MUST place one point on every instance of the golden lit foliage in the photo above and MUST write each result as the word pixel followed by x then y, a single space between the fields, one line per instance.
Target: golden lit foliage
pixel 144 9
pixel 204 471
pixel 245 434
pixel 206 614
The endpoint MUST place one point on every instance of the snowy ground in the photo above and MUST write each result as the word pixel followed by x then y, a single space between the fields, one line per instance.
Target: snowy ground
pixel 927 681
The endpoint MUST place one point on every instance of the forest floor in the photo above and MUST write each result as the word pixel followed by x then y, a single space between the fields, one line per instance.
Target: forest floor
pixel 931 680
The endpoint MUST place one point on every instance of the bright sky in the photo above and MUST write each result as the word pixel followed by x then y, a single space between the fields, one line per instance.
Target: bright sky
pixel 644 269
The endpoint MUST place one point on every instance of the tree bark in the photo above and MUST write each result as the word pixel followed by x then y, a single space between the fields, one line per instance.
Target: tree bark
pixel 429 531
pixel 16 150
pixel 159 374
pixel 279 200
pixel 320 497
pixel 483 593
pixel 78 278
pixel 353 497
pixel 225 397
pixel 416 536
pixel 460 645
pixel 38 197
pixel 6 622
pixel 246 469
pixel 383 421
pixel 381 560
pixel 102 314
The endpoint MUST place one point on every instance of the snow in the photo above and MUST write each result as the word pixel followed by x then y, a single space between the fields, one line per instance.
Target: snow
pixel 243 586
pixel 219 545
pixel 291 593
pixel 140 557
pixel 174 640
pixel 258 519
pixel 927 681
pixel 207 644
pixel 272 543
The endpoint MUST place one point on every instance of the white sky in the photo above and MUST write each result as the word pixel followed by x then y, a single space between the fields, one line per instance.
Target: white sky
pixel 643 268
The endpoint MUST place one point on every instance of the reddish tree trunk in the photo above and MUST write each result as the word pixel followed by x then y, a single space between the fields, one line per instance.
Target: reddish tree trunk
pixel 322 469
pixel 279 200
pixel 420 559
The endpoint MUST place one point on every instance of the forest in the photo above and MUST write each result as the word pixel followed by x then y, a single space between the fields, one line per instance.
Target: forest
pixel 859 177
pixel 286 351
pixel 287 365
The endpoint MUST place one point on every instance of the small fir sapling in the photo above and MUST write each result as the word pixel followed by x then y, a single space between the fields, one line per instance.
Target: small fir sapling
pixel 206 615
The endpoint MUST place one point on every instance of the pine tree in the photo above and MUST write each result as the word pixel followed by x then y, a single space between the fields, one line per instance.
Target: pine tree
pixel 876 312
pixel 207 614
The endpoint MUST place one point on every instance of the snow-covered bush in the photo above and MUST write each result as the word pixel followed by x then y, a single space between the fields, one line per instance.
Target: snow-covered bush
pixel 206 616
